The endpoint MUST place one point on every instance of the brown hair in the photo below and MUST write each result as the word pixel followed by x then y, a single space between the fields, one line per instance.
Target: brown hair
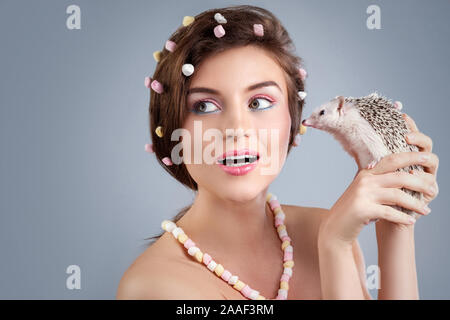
pixel 194 43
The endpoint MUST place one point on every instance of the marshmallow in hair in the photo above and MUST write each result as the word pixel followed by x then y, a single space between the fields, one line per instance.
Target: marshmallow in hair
pixel 220 18
pixel 170 45
pixel 258 29
pixel 302 95
pixel 219 31
pixel 187 69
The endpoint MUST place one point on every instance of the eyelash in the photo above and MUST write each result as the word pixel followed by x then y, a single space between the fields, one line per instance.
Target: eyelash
pixel 197 103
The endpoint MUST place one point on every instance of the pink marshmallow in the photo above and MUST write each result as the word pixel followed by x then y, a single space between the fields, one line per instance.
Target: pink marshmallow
pixel 155 85
pixel 285 277
pixel 246 290
pixel 219 31
pixel 286 238
pixel 258 29
pixel 189 243
pixel 288 256
pixel 281 296
pixel 303 73
pixel 206 258
pixel 226 275
pixel 147 82
pixel 170 45
pixel 167 161
pixel 149 148
pixel 274 204
pixel 278 222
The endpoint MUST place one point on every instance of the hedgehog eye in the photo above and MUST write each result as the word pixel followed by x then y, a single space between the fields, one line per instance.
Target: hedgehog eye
pixel 322 112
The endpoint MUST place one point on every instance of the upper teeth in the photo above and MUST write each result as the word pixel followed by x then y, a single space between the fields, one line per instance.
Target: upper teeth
pixel 239 159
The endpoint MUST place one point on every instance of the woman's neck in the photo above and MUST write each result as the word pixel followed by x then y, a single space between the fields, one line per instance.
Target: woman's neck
pixel 225 225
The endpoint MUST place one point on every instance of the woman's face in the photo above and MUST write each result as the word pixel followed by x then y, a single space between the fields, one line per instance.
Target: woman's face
pixel 222 99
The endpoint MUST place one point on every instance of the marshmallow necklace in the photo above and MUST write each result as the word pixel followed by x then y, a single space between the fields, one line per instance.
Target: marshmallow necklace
pixel 226 275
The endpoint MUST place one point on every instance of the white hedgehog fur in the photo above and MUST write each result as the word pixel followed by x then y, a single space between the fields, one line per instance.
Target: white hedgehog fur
pixel 359 138
pixel 355 134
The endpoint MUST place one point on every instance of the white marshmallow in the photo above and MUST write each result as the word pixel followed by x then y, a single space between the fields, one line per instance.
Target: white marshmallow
pixel 187 69
pixel 282 233
pixel 193 250
pixel 220 18
pixel 289 249
pixel 168 225
pixel 280 215
pixel 254 294
pixel 212 265
pixel 288 271
pixel 302 95
pixel 176 232
pixel 233 280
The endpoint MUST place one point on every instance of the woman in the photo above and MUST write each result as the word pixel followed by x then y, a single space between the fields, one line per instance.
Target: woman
pixel 246 76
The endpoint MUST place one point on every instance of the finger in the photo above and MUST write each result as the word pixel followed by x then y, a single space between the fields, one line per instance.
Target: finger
pixel 420 140
pixel 393 196
pixel 410 122
pixel 394 215
pixel 420 182
pixel 432 186
pixel 394 161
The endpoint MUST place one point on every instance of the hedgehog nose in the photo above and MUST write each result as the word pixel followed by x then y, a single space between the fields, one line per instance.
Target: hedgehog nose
pixel 304 122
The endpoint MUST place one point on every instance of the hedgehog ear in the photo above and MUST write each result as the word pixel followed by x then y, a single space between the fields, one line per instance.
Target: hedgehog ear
pixel 340 108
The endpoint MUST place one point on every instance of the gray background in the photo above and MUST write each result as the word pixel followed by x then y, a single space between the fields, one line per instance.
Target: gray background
pixel 76 186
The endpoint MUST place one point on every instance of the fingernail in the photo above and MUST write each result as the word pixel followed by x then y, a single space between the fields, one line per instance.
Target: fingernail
pixel 423 158
pixel 432 190
pixel 412 220
pixel 408 137
pixel 426 209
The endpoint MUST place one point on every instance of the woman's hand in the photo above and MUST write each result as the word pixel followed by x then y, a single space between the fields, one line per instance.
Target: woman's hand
pixel 428 176
pixel 373 190
pixel 425 144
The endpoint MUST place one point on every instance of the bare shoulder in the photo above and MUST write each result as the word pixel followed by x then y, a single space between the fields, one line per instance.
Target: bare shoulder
pixel 304 219
pixel 160 274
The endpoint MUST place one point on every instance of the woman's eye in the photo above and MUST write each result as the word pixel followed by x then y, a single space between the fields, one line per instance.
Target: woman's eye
pixel 204 107
pixel 260 103
pixel 322 112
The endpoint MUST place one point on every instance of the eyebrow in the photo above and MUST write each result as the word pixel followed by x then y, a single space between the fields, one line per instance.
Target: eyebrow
pixel 250 88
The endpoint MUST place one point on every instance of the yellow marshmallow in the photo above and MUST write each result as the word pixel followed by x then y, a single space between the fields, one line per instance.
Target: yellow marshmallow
pixel 284 285
pixel 157 56
pixel 182 237
pixel 159 132
pixel 187 20
pixel 278 209
pixel 285 244
pixel 288 264
pixel 281 227
pixel 302 129
pixel 269 195
pixel 219 270
pixel 260 297
pixel 239 285
pixel 199 256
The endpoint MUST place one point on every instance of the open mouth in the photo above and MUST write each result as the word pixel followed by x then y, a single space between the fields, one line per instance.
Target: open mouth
pixel 238 161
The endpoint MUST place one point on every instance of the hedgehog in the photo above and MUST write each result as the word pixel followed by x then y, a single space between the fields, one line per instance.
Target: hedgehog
pixel 368 128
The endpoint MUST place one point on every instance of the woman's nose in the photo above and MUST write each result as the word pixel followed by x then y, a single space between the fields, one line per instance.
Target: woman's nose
pixel 238 119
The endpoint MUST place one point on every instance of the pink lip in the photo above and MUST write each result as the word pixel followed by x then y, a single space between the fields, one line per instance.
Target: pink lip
pixel 238 171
